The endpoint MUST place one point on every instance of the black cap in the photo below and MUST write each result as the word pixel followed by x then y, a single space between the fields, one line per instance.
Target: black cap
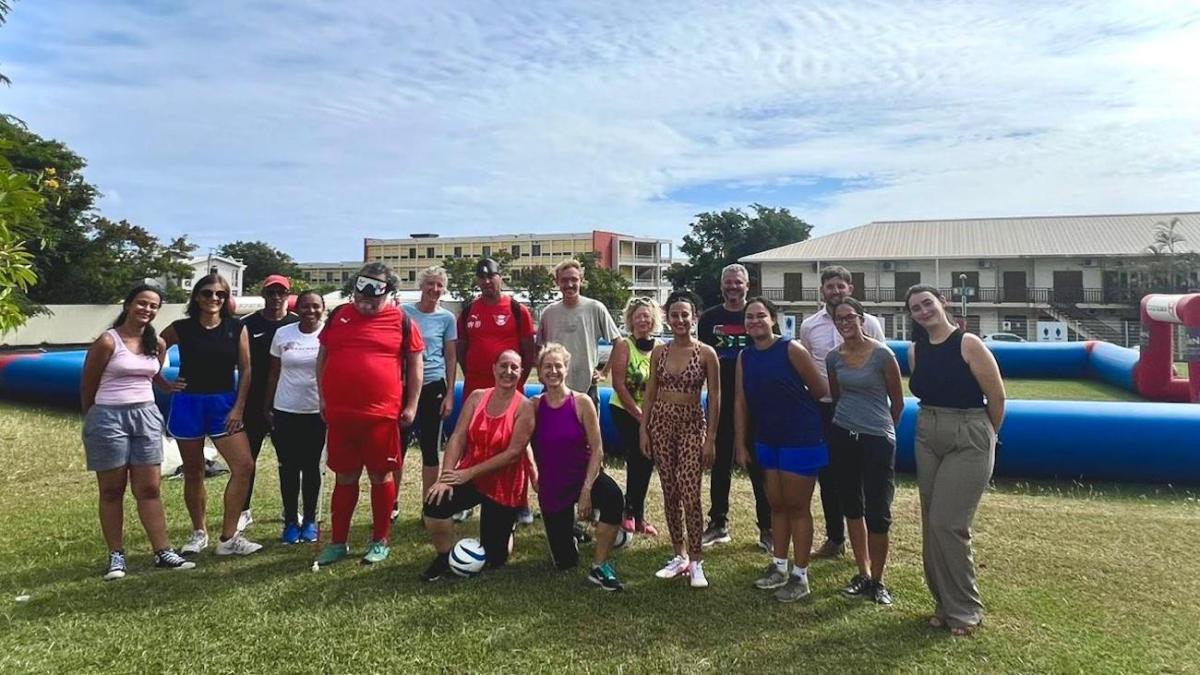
pixel 486 267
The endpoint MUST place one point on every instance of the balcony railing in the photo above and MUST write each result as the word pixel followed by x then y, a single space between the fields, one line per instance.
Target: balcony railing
pixel 1037 296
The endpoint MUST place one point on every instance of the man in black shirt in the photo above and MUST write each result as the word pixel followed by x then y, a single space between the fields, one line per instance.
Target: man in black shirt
pixel 261 326
pixel 723 328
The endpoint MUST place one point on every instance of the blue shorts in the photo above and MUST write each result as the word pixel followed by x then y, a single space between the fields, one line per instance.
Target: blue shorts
pixel 195 416
pixel 805 461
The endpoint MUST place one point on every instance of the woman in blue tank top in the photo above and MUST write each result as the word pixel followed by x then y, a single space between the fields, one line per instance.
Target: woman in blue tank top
pixel 778 386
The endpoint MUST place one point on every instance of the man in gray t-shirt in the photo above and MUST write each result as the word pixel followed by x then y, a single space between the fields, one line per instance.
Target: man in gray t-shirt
pixel 577 323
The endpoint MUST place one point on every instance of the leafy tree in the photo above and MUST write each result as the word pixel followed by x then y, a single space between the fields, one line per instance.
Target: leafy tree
pixel 19 204
pixel 460 274
pixel 608 286
pixel 719 239
pixel 1172 261
pixel 261 260
pixel 536 282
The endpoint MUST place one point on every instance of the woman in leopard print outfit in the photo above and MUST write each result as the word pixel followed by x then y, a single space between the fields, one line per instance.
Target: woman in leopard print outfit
pixel 674 432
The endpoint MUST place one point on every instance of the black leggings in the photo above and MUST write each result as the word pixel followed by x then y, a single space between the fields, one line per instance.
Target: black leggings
pixel 638 467
pixel 721 477
pixel 496 521
pixel 560 525
pixel 255 425
pixel 864 467
pixel 299 439
pixel 427 427
pixel 831 502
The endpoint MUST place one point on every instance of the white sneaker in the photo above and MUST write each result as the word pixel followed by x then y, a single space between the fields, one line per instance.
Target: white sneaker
pixel 525 516
pixel 698 578
pixel 674 567
pixel 237 545
pixel 195 543
pixel 245 520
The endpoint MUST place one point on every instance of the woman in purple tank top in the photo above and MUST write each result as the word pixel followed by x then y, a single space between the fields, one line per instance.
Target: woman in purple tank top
pixel 568 452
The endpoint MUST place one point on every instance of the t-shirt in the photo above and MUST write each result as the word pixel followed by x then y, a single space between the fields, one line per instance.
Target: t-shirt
pixel 577 328
pixel 364 370
pixel 436 327
pixel 725 331
pixel 820 335
pixel 262 331
pixel 207 356
pixel 296 391
pixel 490 330
pixel 863 405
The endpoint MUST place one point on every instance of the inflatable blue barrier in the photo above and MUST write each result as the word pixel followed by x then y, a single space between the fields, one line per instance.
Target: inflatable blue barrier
pixel 1039 360
pixel 1114 365
pixel 608 428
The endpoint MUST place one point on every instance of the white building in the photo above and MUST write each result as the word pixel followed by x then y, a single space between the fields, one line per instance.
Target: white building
pixel 1087 271
pixel 232 270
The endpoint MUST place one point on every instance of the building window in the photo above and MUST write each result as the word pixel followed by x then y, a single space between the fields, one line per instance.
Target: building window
pixel 345 276
pixel 429 252
pixel 793 286
pixel 487 251
pixel 457 251
pixel 516 250
pixel 213 270
pixel 536 250
pixel 412 253
pixel 412 275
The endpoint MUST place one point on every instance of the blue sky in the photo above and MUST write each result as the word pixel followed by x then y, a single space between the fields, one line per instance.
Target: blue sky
pixel 313 124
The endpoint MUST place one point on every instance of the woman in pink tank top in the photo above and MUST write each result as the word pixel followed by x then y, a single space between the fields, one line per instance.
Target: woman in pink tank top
pixel 123 430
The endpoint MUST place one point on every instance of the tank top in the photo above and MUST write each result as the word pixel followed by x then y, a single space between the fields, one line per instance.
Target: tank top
pixel 637 373
pixel 690 381
pixel 487 437
pixel 942 377
pixel 127 377
pixel 785 413
pixel 207 356
pixel 561 451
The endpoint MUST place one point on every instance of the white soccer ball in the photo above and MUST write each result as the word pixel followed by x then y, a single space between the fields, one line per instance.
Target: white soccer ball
pixel 623 539
pixel 467 557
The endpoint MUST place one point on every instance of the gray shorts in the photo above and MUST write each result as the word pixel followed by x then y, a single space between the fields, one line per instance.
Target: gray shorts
pixel 118 435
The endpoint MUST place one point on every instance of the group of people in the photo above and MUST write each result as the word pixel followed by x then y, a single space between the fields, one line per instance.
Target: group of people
pixel 821 409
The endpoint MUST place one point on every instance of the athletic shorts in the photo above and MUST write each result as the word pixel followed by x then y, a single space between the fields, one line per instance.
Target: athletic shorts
pixel 371 443
pixel 195 416
pixel 122 435
pixel 805 461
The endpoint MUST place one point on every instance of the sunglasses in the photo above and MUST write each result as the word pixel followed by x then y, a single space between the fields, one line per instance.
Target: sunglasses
pixel 370 287
pixel 209 294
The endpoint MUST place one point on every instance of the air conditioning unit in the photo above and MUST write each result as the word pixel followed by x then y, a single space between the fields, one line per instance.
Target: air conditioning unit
pixel 985 264
pixel 889 266
pixel 1089 262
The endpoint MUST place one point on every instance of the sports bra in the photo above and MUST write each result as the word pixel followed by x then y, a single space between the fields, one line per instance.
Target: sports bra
pixel 690 381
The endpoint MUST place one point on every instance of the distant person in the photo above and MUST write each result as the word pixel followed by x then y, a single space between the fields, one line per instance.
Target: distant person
pixel 123 430
pixel 677 436
pixel 723 328
pixel 206 403
pixel 819 336
pixel 957 381
pixel 630 363
pixel 577 323
pixel 486 464
pixel 864 381
pixel 778 385
pixel 293 411
pixel 261 327
pixel 369 351
pixel 569 454
pixel 440 332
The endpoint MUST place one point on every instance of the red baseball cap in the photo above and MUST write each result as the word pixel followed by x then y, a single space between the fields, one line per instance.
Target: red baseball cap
pixel 277 280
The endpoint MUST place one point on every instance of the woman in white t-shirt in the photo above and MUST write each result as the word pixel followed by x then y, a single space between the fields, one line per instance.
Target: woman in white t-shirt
pixel 294 411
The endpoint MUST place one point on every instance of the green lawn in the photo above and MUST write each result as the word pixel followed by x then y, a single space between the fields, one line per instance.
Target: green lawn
pixel 1077 578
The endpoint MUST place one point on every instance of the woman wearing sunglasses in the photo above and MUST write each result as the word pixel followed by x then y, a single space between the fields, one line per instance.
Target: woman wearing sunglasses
pixel 206 403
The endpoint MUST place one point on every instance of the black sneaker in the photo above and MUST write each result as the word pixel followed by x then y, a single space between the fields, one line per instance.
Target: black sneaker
pixel 859 586
pixel 766 541
pixel 116 566
pixel 830 549
pixel 437 569
pixel 169 559
pixel 581 534
pixel 715 533
pixel 603 576
pixel 880 594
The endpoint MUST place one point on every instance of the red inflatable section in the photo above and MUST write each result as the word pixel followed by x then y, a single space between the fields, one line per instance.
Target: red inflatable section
pixel 1155 375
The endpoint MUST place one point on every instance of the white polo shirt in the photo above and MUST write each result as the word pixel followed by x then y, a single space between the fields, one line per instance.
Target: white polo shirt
pixel 820 335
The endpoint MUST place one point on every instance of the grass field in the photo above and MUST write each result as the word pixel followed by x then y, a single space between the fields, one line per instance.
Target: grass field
pixel 1077 578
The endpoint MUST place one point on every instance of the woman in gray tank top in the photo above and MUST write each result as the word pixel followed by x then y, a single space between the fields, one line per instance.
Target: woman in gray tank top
pixel 864 381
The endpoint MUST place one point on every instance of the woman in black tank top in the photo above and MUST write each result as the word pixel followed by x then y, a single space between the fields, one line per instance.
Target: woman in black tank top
pixel 957 381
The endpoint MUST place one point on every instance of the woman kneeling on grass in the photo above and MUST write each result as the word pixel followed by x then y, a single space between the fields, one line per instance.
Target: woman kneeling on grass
pixel 123 430
pixel 569 454
pixel 778 386
pixel 485 463
pixel 863 378
pixel 958 383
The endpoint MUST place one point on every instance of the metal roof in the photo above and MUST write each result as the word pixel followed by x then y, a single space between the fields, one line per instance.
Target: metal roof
pixel 1103 235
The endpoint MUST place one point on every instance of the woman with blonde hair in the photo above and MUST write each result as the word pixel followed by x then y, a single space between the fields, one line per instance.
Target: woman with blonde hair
pixel 630 362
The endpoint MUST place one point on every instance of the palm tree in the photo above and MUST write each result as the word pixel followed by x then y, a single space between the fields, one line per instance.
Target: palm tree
pixel 1167 245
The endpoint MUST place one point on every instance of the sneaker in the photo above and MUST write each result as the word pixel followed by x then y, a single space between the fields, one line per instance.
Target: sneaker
pixel 629 524
pixel 766 541
pixel 771 578
pixel 238 544
pixel 698 580
pixel 674 567
pixel 796 589
pixel 581 534
pixel 880 594
pixel 646 528
pixel 332 553
pixel 830 549
pixel 464 516
pixel 116 566
pixel 716 533
pixel 524 516
pixel 603 576
pixel 377 551
pixel 245 520
pixel 169 559
pixel 291 534
pixel 195 543
pixel 859 585
pixel 395 510
pixel 309 532
pixel 437 569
